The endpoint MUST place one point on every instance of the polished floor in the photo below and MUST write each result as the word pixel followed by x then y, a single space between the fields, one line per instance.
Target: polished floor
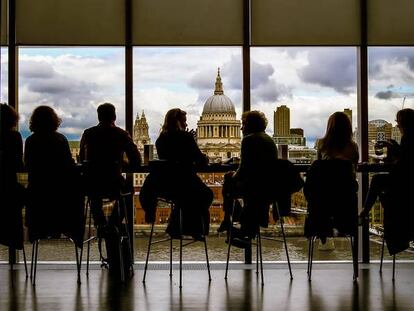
pixel 331 288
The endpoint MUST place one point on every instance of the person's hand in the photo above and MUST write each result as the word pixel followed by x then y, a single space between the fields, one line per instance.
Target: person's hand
pixel 392 150
pixel 193 133
pixel 228 175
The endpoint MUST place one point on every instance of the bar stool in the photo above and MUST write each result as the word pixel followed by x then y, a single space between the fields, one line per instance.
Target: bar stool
pixel 175 208
pixel 33 264
pixel 119 228
pixel 258 237
pixel 382 259
pixel 25 265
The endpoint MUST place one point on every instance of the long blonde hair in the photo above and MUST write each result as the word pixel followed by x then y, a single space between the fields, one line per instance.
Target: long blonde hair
pixel 338 132
pixel 172 120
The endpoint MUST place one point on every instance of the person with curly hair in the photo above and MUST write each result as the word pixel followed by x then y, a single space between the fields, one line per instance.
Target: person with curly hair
pixel 50 167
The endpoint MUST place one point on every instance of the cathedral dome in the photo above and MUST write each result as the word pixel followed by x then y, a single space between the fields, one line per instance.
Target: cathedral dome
pixel 218 103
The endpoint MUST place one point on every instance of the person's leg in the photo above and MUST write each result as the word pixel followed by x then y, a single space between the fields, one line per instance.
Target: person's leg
pixel 229 195
pixel 97 212
pixel 378 185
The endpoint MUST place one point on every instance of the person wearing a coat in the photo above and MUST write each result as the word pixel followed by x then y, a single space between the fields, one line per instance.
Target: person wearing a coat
pixel 11 192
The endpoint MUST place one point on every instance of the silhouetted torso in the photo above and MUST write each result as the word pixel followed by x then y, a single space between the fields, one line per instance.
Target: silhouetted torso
pixel 12 156
pixel 349 152
pixel 53 205
pixel 103 147
pixel 11 193
pixel 107 144
pixel 48 159
pixel 257 157
pixel 179 146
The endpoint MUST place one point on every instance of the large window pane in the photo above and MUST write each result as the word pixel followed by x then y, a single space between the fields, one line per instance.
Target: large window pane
pixel 3 99
pixel 185 78
pixel 391 88
pixel 4 75
pixel 74 81
pixel 297 89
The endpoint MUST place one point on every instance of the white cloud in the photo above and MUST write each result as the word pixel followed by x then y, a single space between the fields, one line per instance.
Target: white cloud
pixel 313 82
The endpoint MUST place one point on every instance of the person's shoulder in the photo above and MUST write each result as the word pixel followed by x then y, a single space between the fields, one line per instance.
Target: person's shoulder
pixel 121 133
pixel 59 136
pixel 15 135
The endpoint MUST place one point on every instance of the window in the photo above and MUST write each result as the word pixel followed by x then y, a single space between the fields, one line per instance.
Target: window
pixel 298 89
pixel 391 88
pixel 74 81
pixel 185 78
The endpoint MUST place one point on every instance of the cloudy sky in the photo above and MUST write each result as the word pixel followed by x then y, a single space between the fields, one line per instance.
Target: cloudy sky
pixel 312 82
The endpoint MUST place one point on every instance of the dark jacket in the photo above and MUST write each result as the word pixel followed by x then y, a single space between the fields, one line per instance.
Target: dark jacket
pixel 331 192
pixel 255 173
pixel 398 200
pixel 176 178
pixel 55 203
pixel 103 148
pixel 11 192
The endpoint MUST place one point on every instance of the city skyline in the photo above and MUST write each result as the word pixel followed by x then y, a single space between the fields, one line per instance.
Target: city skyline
pixel 75 80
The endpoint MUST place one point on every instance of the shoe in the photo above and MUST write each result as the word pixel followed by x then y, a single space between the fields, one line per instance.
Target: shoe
pixel 241 242
pixel 198 237
pixel 102 231
pixel 224 226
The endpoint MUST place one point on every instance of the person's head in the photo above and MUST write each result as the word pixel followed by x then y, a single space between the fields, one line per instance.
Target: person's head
pixel 106 113
pixel 175 120
pixel 338 131
pixel 405 121
pixel 8 117
pixel 253 122
pixel 44 119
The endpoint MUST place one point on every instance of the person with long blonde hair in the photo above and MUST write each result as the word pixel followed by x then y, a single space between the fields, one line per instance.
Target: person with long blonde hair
pixel 338 142
pixel 178 146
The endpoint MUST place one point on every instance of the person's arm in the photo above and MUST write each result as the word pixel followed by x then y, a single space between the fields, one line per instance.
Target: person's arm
pixel 19 152
pixel 82 151
pixel 66 154
pixel 132 153
pixel 198 157
pixel 28 153
pixel 244 159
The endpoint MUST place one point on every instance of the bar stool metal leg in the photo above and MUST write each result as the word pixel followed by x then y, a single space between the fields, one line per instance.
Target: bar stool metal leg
pixel 205 249
pixel 257 256
pixel 282 227
pixel 88 248
pixel 120 239
pixel 25 262
pixel 229 237
pixel 148 253
pixel 131 261
pixel 310 258
pixel 382 254
pixel 354 258
pixel 78 264
pixel 181 249
pixel 261 257
pixel 171 244
pixel 393 268
pixel 36 245
pixel 32 261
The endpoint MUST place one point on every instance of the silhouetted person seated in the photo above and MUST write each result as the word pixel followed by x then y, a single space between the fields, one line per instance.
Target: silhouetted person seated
pixel 54 201
pixel 11 192
pixel 398 155
pixel 178 146
pixel 102 150
pixel 253 179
